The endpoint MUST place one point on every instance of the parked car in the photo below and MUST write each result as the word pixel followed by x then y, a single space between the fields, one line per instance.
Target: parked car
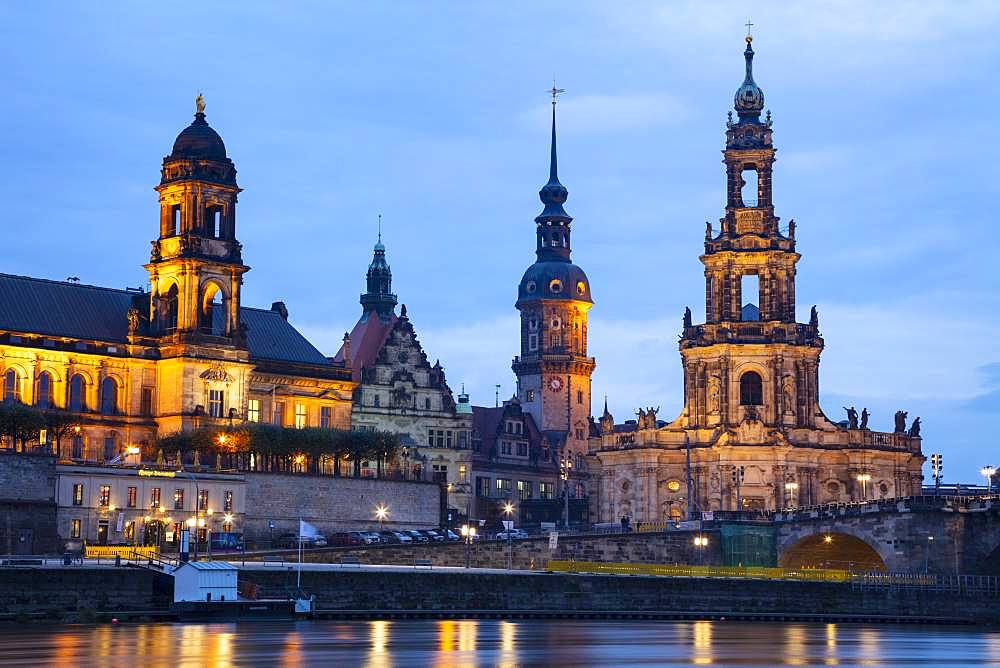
pixel 289 539
pixel 319 540
pixel 434 535
pixel 374 536
pixel 451 535
pixel 513 534
pixel 417 536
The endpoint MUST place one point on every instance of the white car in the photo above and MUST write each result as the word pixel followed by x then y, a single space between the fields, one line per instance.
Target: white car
pixel 513 534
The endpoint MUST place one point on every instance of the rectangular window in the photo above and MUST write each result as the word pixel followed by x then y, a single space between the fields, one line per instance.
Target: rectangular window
pixel 154 498
pixel 448 435
pixel 178 499
pixel 505 447
pixel 132 492
pixel 482 486
pixel 215 403
pixel 279 413
pixel 178 527
pixel 522 449
pixel 545 490
pixel 78 494
pixel 326 417
pixel 524 489
pixel 227 503
pixel 463 440
pixel 203 499
pixel 146 402
pixel 300 416
pixel 579 396
pixel 253 410
pixel 104 499
pixel 74 528
pixel 503 486
pixel 43 436
pixel 440 473
pixel 461 472
pixel 130 531
pixel 532 342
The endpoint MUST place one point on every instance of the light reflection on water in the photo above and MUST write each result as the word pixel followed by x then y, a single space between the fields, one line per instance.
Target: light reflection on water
pixel 497 643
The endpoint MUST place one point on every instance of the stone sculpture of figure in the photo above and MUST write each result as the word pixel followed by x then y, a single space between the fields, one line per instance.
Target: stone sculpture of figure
pixel 914 428
pixel 133 321
pixel 708 231
pixel 154 254
pixel 651 417
pixel 900 418
pixel 813 317
pixel 197 459
pixel 199 103
pixel 864 418
pixel 642 419
pixel 789 391
pixel 713 394
pixel 852 417
pixel 791 229
pixel 687 317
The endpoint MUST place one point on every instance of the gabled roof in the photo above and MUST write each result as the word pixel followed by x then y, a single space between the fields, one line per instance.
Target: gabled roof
pixel 208 566
pixel 367 339
pixel 59 309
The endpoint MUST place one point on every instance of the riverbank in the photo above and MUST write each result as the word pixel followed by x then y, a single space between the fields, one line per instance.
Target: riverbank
pixel 370 592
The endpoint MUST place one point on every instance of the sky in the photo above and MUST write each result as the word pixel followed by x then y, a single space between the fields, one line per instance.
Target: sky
pixel 435 115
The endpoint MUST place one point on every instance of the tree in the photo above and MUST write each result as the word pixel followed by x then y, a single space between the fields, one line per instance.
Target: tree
pixel 19 424
pixel 58 424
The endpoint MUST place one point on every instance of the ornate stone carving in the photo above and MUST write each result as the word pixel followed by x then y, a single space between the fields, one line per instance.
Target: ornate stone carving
pixel 133 321
pixel 217 372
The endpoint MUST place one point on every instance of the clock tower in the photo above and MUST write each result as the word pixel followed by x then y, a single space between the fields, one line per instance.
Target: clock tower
pixel 553 369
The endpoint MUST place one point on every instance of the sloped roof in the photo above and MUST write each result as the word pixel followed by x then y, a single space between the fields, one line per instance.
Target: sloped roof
pixel 60 309
pixel 367 339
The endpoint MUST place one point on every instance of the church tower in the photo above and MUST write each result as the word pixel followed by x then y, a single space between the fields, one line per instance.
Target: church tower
pixel 196 265
pixel 553 369
pixel 750 361
pixel 379 297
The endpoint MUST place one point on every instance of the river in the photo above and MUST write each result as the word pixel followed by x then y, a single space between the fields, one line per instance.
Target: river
pixel 496 643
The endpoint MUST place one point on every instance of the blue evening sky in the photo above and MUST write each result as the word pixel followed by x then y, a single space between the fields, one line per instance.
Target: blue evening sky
pixel 435 115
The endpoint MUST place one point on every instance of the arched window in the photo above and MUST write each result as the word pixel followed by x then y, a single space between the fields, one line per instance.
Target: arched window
pixel 748 191
pixel 170 309
pixel 751 389
pixel 175 219
pixel 43 393
pixel 11 386
pixel 212 317
pixel 109 396
pixel 77 394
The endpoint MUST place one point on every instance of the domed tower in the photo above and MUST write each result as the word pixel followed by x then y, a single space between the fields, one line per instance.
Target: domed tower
pixel 379 297
pixel 196 265
pixel 750 361
pixel 553 369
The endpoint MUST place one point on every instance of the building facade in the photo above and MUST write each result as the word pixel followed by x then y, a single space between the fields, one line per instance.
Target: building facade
pixel 751 434
pixel 133 364
pixel 553 369
pixel 399 391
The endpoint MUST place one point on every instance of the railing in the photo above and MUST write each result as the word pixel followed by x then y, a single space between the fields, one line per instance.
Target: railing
pixel 136 552
pixel 751 572
pixel 980 585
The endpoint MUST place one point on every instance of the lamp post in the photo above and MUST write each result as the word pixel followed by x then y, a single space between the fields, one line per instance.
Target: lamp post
pixel 864 479
pixel 381 512
pixel 508 510
pixel 988 472
pixel 468 534
pixel 701 542
pixel 565 466
pixel 927 553
pixel 406 462
pixel 790 491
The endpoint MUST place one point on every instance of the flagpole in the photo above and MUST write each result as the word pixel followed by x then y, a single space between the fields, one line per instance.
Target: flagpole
pixel 298 575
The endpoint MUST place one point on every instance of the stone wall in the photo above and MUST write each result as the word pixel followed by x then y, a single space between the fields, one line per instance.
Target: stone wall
pixel 335 504
pixel 78 593
pixel 534 553
pixel 27 503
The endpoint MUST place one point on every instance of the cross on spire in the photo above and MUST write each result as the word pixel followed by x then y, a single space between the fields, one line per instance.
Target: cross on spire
pixel 749 25
pixel 555 92
pixel 380 228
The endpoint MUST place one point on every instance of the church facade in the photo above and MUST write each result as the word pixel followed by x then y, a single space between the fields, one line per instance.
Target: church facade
pixel 133 364
pixel 751 434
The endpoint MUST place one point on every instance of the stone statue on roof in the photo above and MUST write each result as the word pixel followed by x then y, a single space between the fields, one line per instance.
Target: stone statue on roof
pixel 199 103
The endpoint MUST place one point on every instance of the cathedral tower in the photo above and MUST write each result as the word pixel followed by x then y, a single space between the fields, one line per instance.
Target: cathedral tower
pixel 553 369
pixel 379 297
pixel 196 265
pixel 750 361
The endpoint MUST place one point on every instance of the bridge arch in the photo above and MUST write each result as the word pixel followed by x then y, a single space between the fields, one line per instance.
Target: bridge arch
pixel 831 549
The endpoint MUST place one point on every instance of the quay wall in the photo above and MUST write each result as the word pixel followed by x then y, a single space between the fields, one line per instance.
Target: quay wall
pixel 27 503
pixel 80 593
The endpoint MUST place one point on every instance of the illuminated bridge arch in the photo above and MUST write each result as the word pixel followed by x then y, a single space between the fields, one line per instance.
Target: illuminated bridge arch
pixel 832 550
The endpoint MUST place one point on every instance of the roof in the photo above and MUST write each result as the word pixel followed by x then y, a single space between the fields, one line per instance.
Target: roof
pixel 487 422
pixel 208 566
pixel 75 311
pixel 198 140
pixel 367 339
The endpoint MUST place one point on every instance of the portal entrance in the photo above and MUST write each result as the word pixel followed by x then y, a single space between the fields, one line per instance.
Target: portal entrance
pixel 839 551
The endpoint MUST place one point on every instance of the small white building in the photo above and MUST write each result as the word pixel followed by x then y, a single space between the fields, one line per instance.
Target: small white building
pixel 205 581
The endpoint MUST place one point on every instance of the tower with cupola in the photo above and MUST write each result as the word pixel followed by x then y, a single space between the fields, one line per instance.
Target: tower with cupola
pixel 750 360
pixel 553 298
pixel 196 265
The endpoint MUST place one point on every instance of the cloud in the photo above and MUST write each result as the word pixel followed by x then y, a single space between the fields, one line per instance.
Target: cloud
pixel 590 114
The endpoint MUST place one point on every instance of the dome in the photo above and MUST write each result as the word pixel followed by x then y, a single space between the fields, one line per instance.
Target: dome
pixel 199 140
pixel 554 280
pixel 749 98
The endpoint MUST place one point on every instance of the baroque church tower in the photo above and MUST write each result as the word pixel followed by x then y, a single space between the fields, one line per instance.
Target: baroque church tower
pixel 750 361
pixel 553 369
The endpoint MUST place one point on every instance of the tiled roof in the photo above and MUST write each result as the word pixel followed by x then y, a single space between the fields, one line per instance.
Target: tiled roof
pixel 367 339
pixel 59 309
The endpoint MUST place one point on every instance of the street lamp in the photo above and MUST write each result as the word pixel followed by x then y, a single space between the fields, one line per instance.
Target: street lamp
pixel 508 510
pixel 701 542
pixel 988 472
pixel 864 479
pixel 790 493
pixel 565 466
pixel 927 553
pixel 468 534
pixel 381 512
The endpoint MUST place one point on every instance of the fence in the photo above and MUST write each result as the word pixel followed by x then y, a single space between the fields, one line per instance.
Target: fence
pixel 123 551
pixel 755 572
pixel 980 585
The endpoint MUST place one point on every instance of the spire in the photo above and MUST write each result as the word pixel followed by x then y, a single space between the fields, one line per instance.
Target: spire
pixel 379 278
pixel 749 98
pixel 553 222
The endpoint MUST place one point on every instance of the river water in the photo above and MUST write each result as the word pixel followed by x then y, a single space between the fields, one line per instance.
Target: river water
pixel 497 643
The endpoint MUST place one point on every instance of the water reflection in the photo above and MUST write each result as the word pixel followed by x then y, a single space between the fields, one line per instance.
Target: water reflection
pixel 494 642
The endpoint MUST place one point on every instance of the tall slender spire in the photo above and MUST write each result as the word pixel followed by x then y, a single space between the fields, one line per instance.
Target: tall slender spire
pixel 379 296
pixel 749 98
pixel 553 222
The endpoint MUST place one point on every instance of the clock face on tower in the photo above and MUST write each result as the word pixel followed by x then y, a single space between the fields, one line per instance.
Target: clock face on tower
pixel 555 384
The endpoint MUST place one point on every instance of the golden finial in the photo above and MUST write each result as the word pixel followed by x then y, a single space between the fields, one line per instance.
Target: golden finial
pixel 199 103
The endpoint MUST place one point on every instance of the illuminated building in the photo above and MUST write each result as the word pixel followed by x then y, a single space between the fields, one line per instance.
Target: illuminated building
pixel 758 438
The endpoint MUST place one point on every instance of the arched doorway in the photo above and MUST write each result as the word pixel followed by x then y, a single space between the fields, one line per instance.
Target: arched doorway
pixel 832 550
